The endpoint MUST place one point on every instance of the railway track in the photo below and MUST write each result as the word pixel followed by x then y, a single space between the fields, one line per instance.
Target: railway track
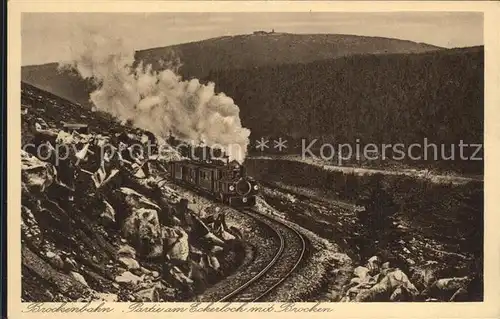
pixel 286 259
pixel 278 254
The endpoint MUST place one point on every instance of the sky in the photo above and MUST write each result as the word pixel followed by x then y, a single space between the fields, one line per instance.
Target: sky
pixel 47 37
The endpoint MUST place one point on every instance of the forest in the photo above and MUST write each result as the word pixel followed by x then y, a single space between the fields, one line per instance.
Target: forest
pixel 381 99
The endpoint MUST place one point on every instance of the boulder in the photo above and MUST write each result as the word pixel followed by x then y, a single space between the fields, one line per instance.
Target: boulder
pixel 410 262
pixel 78 277
pixel 55 260
pixel 214 262
pixel 384 289
pixel 445 288
pixel 423 276
pixel 197 226
pixel 156 251
pixel 223 234
pixel 451 283
pixel 147 295
pixel 36 175
pixel 373 264
pixel 70 264
pixel 134 200
pixel 361 272
pixel 400 294
pixel 73 138
pixel 236 232
pixel 179 277
pixel 211 240
pixel 333 296
pixel 216 249
pixel 103 175
pixel 130 263
pixel 460 295
pixel 353 292
pixel 126 251
pixel 142 228
pixel 128 277
pixel 108 214
pixel 145 271
pixel 175 243
pixel 197 271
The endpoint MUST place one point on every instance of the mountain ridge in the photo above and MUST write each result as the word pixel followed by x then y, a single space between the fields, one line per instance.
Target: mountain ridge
pixel 199 58
pixel 248 50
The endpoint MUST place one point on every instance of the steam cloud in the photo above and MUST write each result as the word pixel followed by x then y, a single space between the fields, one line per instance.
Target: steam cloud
pixel 160 102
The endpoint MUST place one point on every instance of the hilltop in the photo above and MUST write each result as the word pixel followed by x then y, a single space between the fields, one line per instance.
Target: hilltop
pixel 266 49
pixel 232 52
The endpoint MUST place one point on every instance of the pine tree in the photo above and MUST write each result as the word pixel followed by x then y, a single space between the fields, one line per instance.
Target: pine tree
pixel 376 220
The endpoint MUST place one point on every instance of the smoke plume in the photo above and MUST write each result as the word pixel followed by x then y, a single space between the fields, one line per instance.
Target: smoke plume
pixel 160 102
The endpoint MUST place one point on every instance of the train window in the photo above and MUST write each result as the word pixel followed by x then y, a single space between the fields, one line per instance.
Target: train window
pixel 204 175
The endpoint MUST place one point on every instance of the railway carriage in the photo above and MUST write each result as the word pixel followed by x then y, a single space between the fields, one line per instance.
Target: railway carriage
pixel 227 183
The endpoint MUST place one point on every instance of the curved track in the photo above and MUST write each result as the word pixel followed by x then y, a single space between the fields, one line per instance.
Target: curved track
pixel 286 259
pixel 272 264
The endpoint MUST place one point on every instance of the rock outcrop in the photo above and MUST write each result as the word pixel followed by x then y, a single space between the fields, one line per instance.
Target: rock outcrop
pixel 377 281
pixel 106 232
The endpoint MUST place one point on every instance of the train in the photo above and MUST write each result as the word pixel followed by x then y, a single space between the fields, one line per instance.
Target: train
pixel 225 182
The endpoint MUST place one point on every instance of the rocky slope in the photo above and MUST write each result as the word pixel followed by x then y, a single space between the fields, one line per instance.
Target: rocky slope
pixel 403 263
pixel 120 231
pixel 111 231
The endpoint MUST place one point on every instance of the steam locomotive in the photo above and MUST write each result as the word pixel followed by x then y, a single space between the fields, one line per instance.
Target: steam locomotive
pixel 226 182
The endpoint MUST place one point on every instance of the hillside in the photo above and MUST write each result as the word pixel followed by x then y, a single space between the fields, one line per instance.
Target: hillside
pixel 248 51
pixel 376 98
pixel 389 99
pixel 233 52
pixel 93 231
pixel 119 235
pixel 54 110
pixel 67 85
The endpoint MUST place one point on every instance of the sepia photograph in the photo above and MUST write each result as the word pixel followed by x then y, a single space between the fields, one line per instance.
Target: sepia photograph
pixel 243 157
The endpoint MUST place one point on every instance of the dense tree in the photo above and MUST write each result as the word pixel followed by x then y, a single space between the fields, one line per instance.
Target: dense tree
pixel 388 99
